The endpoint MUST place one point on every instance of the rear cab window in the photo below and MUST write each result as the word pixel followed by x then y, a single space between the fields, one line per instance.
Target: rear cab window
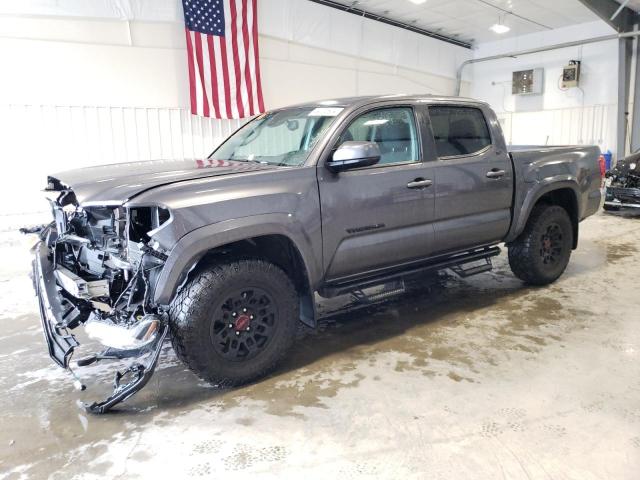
pixel 459 131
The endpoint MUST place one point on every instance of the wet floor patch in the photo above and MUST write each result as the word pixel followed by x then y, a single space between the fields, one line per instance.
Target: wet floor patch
pixel 620 252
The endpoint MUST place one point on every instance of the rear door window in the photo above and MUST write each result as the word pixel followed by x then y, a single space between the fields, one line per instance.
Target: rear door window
pixel 459 131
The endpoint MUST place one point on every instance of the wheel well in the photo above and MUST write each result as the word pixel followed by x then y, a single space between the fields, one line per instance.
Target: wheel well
pixel 565 198
pixel 279 250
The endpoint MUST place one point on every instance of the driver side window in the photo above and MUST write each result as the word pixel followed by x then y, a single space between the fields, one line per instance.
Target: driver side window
pixel 393 129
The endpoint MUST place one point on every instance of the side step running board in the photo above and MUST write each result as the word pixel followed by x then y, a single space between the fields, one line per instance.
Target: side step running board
pixel 391 290
pixel 464 271
pixel 456 263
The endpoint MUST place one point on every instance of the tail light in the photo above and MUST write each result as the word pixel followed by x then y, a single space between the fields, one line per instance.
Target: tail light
pixel 603 171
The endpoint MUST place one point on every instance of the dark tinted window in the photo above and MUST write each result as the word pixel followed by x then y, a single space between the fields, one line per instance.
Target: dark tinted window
pixel 459 130
pixel 393 129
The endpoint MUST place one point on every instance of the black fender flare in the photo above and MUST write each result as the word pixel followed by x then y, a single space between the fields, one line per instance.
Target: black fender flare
pixel 532 197
pixel 193 246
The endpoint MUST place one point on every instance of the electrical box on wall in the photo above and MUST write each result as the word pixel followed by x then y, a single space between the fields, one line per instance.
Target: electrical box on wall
pixel 528 82
pixel 571 74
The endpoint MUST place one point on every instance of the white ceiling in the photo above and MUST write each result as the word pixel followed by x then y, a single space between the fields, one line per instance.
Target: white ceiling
pixel 469 20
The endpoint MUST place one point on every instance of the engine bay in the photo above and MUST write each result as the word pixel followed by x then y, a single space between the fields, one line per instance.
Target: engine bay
pixel 623 185
pixel 102 263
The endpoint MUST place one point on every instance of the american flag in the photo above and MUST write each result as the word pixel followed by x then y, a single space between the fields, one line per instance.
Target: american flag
pixel 224 66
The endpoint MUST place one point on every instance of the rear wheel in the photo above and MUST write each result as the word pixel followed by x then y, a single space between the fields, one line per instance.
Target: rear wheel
pixel 542 252
pixel 234 322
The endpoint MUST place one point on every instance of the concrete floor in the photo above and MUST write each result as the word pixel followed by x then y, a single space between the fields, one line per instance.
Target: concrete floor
pixel 482 379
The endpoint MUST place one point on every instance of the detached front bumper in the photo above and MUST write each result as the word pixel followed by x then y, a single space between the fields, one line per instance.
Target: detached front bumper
pixel 622 198
pixel 56 312
pixel 61 312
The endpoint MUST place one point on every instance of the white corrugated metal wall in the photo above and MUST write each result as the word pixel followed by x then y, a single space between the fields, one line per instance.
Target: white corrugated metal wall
pixel 589 125
pixel 51 138
pixel 73 136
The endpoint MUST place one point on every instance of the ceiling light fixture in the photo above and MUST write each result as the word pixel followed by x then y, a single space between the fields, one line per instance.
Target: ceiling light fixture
pixel 499 28
pixel 418 2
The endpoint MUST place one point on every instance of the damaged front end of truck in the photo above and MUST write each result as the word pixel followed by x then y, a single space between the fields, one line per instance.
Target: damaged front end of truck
pixel 95 267
pixel 623 185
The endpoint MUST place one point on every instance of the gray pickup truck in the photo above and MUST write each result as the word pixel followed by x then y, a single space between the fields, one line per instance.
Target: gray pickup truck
pixel 226 255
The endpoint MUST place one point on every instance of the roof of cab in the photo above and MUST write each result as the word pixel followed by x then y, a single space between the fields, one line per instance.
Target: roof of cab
pixel 348 102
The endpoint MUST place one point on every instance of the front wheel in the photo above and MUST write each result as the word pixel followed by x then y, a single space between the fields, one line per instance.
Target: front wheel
pixel 234 322
pixel 541 253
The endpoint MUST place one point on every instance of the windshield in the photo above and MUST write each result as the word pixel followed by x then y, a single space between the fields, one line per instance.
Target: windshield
pixel 283 137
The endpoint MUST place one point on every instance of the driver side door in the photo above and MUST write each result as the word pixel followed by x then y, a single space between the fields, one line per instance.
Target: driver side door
pixel 378 217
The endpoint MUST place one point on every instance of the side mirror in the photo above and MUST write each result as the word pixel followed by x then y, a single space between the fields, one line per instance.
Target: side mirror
pixel 354 155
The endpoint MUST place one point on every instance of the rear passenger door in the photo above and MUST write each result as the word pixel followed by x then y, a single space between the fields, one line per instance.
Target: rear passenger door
pixel 474 178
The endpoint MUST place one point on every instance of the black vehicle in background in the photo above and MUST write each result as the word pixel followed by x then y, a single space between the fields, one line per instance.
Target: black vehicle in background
pixel 623 185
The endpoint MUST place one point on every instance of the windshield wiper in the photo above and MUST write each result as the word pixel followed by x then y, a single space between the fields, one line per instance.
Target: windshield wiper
pixel 247 160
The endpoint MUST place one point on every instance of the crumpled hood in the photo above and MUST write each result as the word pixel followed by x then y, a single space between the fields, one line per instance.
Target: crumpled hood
pixel 116 184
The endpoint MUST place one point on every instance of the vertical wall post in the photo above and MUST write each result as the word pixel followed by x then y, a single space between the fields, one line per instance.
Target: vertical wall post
pixel 635 119
pixel 625 50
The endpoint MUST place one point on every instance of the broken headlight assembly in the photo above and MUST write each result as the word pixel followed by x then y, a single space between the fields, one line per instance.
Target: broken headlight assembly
pixel 96 267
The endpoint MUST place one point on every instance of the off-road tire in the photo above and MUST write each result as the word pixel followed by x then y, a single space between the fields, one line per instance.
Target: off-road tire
pixel 199 308
pixel 527 252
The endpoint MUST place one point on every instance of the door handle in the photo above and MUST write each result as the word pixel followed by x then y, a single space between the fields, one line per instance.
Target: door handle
pixel 495 173
pixel 420 183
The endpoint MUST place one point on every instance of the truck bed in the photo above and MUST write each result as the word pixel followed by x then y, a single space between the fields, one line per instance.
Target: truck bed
pixel 537 168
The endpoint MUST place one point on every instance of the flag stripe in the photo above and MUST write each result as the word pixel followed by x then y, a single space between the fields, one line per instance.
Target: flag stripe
pixel 205 100
pixel 225 78
pixel 198 82
pixel 230 70
pixel 215 96
pixel 242 53
pixel 224 109
pixel 192 75
pixel 247 64
pixel 256 53
pixel 252 60
pixel 206 68
pixel 236 56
